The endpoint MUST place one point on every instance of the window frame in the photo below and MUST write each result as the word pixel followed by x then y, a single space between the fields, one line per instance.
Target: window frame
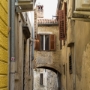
pixel 44 43
pixel 41 79
pixel 38 42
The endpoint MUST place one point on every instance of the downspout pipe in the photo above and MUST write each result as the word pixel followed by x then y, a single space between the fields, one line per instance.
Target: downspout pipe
pixel 12 45
pixel 33 44
pixel 32 35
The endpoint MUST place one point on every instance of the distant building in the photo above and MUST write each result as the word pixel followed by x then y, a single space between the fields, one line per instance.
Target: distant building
pixel 46 53
pixel 45 79
pixel 40 11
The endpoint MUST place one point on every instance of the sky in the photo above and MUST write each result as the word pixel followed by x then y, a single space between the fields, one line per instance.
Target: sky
pixel 49 7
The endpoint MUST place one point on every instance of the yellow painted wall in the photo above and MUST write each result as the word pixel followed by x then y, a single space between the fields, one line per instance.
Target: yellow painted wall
pixel 3 44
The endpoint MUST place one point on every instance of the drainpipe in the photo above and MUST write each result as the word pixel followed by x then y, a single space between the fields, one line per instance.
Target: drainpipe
pixel 33 44
pixel 32 36
pixel 32 47
pixel 12 45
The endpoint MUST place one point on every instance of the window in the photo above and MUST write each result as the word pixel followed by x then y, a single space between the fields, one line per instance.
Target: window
pixel 45 42
pixel 62 16
pixel 70 64
pixel 41 79
pixel 40 8
pixel 71 58
pixel 64 68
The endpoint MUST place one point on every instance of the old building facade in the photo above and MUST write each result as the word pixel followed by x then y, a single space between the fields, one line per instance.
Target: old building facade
pixel 46 59
pixel 4 45
pixel 76 44
pixel 61 59
pixel 46 51
pixel 71 55
pixel 21 45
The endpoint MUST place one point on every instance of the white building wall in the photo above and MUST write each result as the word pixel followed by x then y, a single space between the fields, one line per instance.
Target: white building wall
pixel 49 80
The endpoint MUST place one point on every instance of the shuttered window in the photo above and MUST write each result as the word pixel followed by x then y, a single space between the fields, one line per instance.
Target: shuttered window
pixel 60 44
pixel 65 19
pixel 35 23
pixel 41 79
pixel 62 20
pixel 37 43
pixel 61 25
pixel 70 64
pixel 45 42
pixel 62 15
pixel 52 42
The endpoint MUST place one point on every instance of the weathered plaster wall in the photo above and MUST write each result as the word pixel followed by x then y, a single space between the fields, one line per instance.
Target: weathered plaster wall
pixel 55 59
pixel 63 67
pixel 3 44
pixel 70 39
pixel 51 58
pixel 82 40
pixel 79 79
pixel 79 33
pixel 49 80
pixel 36 84
pixel 23 75
pixel 52 83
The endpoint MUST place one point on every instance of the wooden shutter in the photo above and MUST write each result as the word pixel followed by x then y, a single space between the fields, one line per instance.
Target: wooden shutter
pixel 61 25
pixel 65 19
pixel 60 44
pixel 35 23
pixel 37 42
pixel 52 42
pixel 62 15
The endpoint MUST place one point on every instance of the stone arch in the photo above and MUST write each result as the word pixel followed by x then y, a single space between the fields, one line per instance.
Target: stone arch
pixel 50 67
pixel 54 69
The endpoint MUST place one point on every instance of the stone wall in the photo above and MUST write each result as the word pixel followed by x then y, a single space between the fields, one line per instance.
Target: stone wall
pixel 51 58
pixel 49 80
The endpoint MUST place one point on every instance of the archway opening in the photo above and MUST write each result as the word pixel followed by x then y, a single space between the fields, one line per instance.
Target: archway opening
pixel 47 78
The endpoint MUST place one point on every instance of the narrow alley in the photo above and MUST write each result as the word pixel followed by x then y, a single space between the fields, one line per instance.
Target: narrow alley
pixel 44 45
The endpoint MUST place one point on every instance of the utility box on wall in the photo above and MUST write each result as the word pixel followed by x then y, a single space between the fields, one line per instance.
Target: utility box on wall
pixel 83 5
